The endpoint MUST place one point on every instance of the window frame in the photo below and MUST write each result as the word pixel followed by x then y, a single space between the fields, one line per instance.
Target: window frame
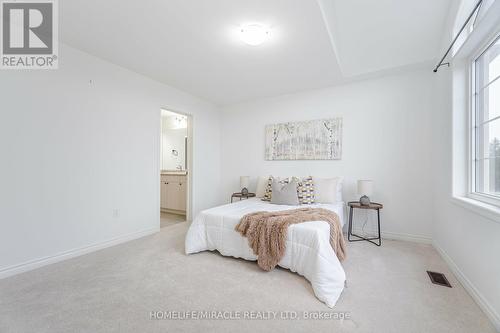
pixel 472 129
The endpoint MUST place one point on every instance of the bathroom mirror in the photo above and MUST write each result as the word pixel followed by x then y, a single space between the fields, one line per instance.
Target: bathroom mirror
pixel 174 134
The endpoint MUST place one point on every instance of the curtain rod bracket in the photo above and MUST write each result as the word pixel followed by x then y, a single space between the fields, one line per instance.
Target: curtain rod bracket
pixel 437 67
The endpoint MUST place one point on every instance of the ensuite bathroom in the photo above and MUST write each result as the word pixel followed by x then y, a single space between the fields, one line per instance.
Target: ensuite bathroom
pixel 174 172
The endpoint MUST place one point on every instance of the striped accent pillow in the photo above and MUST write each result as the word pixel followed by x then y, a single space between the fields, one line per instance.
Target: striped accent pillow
pixel 269 188
pixel 305 190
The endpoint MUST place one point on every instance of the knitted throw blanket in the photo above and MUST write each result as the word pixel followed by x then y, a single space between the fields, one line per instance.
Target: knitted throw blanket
pixel 267 232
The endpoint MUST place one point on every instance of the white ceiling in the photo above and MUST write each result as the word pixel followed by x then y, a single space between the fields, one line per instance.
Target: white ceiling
pixel 371 36
pixel 193 44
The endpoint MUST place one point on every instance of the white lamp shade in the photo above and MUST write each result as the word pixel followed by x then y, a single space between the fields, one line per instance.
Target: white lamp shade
pixel 244 181
pixel 365 187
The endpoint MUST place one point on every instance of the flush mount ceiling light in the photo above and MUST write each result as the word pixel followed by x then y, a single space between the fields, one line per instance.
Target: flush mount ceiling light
pixel 254 34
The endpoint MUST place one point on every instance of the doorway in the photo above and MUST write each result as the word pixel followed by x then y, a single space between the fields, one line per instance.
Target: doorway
pixel 175 167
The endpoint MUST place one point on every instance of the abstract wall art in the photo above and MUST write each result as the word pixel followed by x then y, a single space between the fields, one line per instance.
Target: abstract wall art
pixel 305 140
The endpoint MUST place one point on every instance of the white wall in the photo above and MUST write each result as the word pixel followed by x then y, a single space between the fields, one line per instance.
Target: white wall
pixel 469 241
pixel 386 137
pixel 74 151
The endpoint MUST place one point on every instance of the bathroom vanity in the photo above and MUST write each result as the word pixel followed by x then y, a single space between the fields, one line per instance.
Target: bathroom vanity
pixel 173 192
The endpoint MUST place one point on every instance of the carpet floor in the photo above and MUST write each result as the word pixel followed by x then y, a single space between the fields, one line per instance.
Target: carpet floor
pixel 168 219
pixel 132 287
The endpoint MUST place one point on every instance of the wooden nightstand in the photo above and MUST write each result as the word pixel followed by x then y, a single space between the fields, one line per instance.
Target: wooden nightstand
pixel 373 206
pixel 242 196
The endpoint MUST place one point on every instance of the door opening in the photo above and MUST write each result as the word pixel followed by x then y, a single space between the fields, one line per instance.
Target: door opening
pixel 175 167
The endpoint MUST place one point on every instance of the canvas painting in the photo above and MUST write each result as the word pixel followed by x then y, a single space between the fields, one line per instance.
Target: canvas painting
pixel 305 140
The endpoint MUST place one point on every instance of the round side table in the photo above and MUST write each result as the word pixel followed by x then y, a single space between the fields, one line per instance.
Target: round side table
pixel 242 196
pixel 373 206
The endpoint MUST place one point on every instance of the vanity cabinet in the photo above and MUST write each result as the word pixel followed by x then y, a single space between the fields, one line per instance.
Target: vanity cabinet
pixel 173 193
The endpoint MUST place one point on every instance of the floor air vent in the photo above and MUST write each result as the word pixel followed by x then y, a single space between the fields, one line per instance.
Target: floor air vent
pixel 439 278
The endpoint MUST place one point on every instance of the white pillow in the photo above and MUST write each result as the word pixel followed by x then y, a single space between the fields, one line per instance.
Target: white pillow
pixel 340 182
pixel 261 186
pixel 327 190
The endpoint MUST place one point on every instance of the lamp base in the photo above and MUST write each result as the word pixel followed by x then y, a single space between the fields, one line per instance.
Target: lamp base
pixel 244 191
pixel 364 201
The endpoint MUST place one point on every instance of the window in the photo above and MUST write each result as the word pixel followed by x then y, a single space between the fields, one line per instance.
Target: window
pixel 476 18
pixel 485 176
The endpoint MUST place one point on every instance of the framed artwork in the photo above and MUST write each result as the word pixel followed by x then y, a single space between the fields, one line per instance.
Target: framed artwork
pixel 304 140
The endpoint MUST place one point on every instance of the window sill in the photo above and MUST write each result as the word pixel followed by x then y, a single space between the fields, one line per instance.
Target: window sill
pixel 486 210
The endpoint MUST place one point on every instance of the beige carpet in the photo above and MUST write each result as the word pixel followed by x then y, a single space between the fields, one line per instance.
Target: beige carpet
pixel 168 219
pixel 114 290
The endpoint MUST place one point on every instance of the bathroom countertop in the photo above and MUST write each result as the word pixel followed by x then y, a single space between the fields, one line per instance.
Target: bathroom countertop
pixel 174 172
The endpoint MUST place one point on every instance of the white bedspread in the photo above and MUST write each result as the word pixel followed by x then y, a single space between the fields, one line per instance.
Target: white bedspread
pixel 308 250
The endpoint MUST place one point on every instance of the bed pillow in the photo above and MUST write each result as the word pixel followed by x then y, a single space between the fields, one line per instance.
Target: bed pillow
pixel 305 190
pixel 269 189
pixel 340 182
pixel 261 186
pixel 328 190
pixel 284 193
pixel 268 193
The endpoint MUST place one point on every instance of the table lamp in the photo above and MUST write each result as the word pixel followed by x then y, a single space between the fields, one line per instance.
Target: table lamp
pixel 244 184
pixel 365 188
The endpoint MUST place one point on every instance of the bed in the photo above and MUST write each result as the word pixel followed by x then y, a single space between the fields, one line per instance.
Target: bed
pixel 308 249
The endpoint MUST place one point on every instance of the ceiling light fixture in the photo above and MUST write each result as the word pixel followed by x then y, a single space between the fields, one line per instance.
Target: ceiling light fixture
pixel 254 34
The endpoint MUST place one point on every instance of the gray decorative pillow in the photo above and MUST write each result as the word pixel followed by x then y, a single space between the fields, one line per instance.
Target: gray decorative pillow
pixel 269 187
pixel 285 194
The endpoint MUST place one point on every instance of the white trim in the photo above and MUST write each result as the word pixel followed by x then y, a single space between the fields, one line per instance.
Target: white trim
pixel 37 263
pixel 486 198
pixel 483 31
pixel 477 42
pixel 396 236
pixel 473 126
pixel 471 100
pixel 489 84
pixel 406 237
pixel 469 287
pixel 489 211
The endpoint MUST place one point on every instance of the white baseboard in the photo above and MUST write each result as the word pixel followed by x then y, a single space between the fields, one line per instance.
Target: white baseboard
pixel 406 237
pixel 398 236
pixel 37 263
pixel 467 284
pixel 469 287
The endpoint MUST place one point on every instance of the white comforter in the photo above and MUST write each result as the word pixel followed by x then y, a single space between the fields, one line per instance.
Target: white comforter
pixel 308 250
